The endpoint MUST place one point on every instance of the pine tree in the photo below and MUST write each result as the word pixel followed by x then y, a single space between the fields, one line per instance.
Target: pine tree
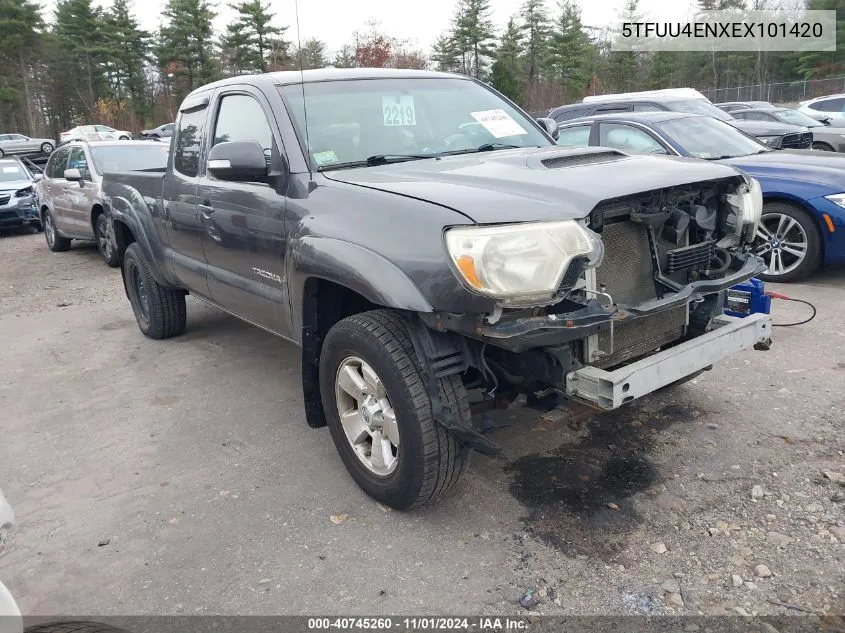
pixel 78 30
pixel 505 75
pixel 312 54
pixel 535 26
pixel 19 24
pixel 345 57
pixel 185 43
pixel 126 48
pixel 570 53
pixel 473 34
pixel 624 66
pixel 251 40
pixel 444 54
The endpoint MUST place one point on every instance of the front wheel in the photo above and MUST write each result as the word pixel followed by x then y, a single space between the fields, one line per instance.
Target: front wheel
pixel 379 414
pixel 823 147
pixel 55 242
pixel 105 243
pixel 159 311
pixel 788 241
pixel 123 138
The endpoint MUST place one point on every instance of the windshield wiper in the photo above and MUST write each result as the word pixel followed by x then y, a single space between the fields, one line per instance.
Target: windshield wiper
pixel 376 160
pixel 486 147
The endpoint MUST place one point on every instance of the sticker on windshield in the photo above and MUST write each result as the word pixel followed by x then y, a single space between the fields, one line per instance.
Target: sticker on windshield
pixel 398 110
pixel 325 158
pixel 499 123
pixel 11 170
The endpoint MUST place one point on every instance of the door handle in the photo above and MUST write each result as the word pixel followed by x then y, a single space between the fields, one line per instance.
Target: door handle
pixel 206 210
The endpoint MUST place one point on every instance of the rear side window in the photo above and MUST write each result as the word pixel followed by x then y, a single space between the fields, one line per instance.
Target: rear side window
pixel 58 162
pixel 576 136
pixel 186 157
pixel 829 105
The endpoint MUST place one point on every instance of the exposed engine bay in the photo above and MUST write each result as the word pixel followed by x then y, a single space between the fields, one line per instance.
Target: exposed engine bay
pixel 668 257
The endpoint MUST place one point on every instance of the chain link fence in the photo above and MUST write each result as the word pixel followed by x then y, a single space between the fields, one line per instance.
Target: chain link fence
pixel 780 93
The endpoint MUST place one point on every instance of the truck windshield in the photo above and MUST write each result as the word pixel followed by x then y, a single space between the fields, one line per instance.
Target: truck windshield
pixel 130 157
pixel 705 137
pixel 350 122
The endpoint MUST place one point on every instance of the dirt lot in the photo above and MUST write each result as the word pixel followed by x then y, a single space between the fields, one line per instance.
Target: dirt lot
pixel 180 477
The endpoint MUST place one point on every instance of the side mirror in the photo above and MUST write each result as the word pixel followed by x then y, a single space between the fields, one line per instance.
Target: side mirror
pixel 550 125
pixel 37 177
pixel 73 175
pixel 238 160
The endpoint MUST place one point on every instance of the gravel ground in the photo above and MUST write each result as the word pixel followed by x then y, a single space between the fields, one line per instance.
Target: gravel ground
pixel 180 477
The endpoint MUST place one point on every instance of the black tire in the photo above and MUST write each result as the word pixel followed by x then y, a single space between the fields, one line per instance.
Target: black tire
pixel 822 147
pixel 430 459
pixel 55 242
pixel 159 311
pixel 47 148
pixel 73 627
pixel 123 138
pixel 813 258
pixel 37 226
pixel 105 244
pixel 2 153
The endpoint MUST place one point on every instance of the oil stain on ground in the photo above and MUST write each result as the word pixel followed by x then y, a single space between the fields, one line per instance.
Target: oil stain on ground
pixel 578 496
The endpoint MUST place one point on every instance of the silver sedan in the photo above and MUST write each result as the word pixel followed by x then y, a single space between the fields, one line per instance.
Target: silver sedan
pixel 20 144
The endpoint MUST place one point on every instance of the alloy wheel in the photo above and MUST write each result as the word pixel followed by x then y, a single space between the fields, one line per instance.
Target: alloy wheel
pixel 367 417
pixel 782 243
pixel 49 230
pixel 103 237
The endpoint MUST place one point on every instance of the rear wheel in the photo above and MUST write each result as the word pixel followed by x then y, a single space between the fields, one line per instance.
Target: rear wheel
pixel 823 147
pixel 105 243
pixel 379 414
pixel 47 148
pixel 123 138
pixel 55 242
pixel 159 311
pixel 2 153
pixel 788 241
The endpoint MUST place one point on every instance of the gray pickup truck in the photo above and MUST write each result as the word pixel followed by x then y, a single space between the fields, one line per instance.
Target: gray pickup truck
pixel 420 238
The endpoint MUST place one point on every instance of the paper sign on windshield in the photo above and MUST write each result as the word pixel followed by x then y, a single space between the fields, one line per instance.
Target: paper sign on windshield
pixel 499 123
pixel 325 158
pixel 398 110
pixel 11 170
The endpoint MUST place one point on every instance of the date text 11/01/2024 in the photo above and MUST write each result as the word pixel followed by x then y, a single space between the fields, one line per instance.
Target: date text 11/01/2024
pixel 480 624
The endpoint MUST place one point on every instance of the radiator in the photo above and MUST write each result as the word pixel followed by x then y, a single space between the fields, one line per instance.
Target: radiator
pixel 627 275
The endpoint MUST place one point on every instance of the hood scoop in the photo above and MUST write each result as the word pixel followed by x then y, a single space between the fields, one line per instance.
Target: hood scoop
pixel 576 160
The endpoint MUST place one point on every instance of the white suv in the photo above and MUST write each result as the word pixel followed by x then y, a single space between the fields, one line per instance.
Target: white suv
pixel 831 107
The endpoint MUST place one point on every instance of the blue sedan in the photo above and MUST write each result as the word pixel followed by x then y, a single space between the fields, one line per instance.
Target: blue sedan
pixel 803 223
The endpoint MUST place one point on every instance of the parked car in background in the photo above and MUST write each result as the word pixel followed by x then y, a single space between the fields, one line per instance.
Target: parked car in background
pixel 162 131
pixel 18 202
pixel 831 107
pixel 826 138
pixel 737 106
pixel 775 135
pixel 95 133
pixel 803 222
pixel 70 192
pixel 19 144
pixel 11 620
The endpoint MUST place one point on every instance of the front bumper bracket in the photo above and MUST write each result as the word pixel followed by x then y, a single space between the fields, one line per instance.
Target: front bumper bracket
pixel 611 389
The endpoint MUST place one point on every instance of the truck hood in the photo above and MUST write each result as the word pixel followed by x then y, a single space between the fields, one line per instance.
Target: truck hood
pixel 767 128
pixel 823 168
pixel 542 183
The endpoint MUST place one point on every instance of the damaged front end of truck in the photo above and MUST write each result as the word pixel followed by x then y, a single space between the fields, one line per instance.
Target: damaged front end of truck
pixel 632 298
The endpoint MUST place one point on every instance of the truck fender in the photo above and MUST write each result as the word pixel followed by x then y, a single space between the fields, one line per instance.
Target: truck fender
pixel 369 274
pixel 122 205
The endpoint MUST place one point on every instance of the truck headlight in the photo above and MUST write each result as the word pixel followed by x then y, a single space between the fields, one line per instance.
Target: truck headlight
pixel 521 263
pixel 747 203
pixel 771 141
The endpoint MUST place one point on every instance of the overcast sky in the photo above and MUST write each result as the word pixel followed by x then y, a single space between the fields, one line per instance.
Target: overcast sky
pixel 333 21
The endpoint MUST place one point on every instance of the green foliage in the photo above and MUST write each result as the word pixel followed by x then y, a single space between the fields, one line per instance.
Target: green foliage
pixel 312 54
pixel 505 74
pixel 185 44
pixel 570 50
pixel 473 35
pixel 536 29
pixel 251 42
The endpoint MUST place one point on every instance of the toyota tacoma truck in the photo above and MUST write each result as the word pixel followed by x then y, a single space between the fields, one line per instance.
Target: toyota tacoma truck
pixel 420 238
